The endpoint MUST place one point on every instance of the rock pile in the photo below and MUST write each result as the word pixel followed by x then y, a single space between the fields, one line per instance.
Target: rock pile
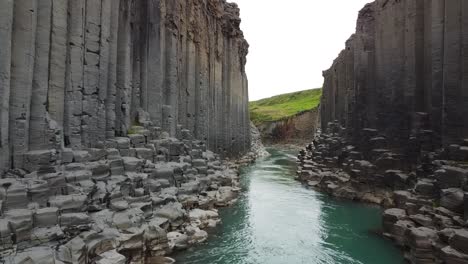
pixel 425 191
pixel 133 200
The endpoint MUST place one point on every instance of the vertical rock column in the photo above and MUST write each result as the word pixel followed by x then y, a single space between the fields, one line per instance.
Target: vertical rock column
pixel 58 56
pixel 74 76
pixel 6 22
pixel 40 85
pixel 22 67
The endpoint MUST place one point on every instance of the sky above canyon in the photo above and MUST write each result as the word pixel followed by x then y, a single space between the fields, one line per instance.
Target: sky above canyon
pixel 293 41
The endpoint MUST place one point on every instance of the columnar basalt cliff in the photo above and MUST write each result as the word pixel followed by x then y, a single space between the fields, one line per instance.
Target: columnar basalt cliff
pixel 394 115
pixel 404 72
pixel 75 73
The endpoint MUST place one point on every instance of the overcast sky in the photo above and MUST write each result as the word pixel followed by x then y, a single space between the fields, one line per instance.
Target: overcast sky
pixel 293 41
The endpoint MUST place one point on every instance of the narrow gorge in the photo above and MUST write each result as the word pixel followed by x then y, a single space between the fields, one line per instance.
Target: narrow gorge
pixel 127 135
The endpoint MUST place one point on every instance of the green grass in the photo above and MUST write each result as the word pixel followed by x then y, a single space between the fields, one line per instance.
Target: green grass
pixel 284 106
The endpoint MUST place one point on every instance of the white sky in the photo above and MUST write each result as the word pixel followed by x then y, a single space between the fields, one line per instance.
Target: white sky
pixel 293 41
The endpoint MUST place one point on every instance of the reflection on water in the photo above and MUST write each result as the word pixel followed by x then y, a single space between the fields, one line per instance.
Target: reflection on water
pixel 278 221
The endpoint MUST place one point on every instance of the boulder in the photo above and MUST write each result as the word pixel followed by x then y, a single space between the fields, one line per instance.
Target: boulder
pixel 177 241
pixel 81 156
pixel 163 172
pixel 46 217
pixel 459 240
pixel 133 164
pixel 5 234
pixel 400 229
pixel 96 154
pixel 422 220
pixel 20 223
pixel 422 237
pixel 452 256
pixel 67 203
pixel 74 219
pixel 119 205
pixel 73 252
pixel 395 179
pixel 453 199
pixel 426 187
pixel 36 255
pixel 225 195
pixel 111 257
pixel 451 177
pixel 391 216
pixel 127 219
pixel 145 153
pixel 39 192
pixel 171 211
pixel 122 142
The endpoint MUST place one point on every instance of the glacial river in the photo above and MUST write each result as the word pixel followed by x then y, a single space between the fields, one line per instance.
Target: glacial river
pixel 278 221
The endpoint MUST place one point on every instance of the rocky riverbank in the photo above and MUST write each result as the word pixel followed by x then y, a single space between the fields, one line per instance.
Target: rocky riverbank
pixel 425 197
pixel 133 200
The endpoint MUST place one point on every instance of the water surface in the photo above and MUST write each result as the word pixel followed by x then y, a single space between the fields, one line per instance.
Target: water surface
pixel 278 221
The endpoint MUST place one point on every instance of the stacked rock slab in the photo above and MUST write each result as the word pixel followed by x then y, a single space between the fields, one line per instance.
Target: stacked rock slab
pixel 74 73
pixel 134 200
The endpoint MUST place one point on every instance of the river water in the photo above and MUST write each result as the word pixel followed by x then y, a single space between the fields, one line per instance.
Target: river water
pixel 278 221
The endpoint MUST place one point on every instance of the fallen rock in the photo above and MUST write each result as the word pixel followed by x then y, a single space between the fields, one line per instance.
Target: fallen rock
pixel 459 240
pixel 46 217
pixel 177 240
pixel 111 257
pixel 453 199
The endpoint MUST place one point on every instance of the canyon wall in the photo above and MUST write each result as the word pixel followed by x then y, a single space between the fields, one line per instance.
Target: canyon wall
pixel 299 128
pixel 404 72
pixel 74 73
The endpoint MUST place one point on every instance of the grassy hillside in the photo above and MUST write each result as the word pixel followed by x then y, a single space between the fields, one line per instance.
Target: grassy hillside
pixel 283 106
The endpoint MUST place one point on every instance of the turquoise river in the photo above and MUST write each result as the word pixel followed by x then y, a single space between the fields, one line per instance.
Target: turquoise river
pixel 279 221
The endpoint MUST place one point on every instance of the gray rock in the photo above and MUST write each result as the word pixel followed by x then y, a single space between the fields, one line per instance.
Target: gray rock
pixel 459 240
pixel 451 255
pixel 68 202
pixel 171 211
pixel 122 143
pixel 46 217
pixel 422 220
pixel 81 156
pixel 137 141
pixel 133 164
pixel 451 177
pixel 426 187
pixel 452 199
pixel 177 240
pixel 111 257
pixel 74 219
pixel 391 216
pixel 21 223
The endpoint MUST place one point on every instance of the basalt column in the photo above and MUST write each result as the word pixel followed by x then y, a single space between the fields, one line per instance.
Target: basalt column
pixel 74 73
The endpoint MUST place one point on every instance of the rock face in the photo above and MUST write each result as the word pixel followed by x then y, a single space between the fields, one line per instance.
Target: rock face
pixel 295 129
pixel 395 125
pixel 74 73
pixel 403 73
